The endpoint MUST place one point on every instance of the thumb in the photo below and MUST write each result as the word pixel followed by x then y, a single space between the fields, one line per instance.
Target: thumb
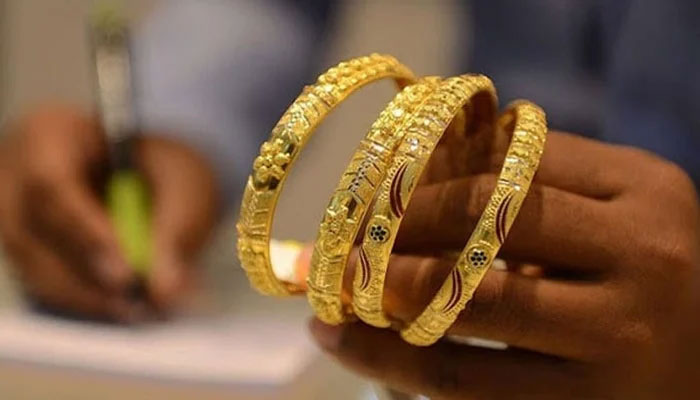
pixel 184 211
pixel 172 275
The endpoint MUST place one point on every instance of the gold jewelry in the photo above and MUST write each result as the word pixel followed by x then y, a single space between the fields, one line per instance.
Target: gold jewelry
pixel 528 125
pixel 473 93
pixel 352 197
pixel 288 137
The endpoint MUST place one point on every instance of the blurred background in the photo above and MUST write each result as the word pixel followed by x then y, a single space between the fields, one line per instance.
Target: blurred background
pixel 214 76
pixel 211 351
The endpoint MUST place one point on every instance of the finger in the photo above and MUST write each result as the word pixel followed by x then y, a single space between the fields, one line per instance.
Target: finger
pixel 62 140
pixel 467 144
pixel 570 162
pixel 553 227
pixel 184 211
pixel 63 154
pixel 45 277
pixel 578 165
pixel 550 317
pixel 69 217
pixel 57 286
pixel 451 371
pixel 53 147
pixel 459 155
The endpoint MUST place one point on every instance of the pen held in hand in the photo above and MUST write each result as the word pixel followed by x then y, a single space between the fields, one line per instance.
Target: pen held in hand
pixel 127 195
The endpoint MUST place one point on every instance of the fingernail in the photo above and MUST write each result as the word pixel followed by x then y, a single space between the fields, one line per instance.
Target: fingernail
pixel 327 336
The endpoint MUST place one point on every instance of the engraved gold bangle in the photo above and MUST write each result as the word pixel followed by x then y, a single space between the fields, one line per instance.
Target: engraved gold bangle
pixel 350 201
pixel 474 93
pixel 528 125
pixel 279 152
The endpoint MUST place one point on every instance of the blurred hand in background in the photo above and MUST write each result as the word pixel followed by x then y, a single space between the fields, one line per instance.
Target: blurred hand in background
pixel 56 230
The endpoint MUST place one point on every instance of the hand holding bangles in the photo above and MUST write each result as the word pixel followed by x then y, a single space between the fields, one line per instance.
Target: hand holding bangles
pixel 377 186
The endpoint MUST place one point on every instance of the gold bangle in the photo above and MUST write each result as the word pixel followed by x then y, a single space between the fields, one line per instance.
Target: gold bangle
pixel 352 197
pixel 279 152
pixel 474 93
pixel 528 125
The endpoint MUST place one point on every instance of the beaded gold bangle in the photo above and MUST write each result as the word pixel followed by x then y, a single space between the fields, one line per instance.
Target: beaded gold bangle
pixel 352 197
pixel 430 122
pixel 528 125
pixel 279 152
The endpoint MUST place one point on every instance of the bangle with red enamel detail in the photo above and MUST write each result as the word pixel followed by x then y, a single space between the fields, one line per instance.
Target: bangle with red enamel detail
pixel 528 125
pixel 352 197
pixel 472 93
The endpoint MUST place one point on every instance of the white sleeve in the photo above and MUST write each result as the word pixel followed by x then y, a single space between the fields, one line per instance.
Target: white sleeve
pixel 203 69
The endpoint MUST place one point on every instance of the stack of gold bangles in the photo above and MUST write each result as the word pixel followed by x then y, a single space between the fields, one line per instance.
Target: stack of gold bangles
pixel 381 178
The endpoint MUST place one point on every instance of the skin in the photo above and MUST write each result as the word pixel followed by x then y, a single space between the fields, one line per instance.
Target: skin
pixel 602 263
pixel 57 233
pixel 595 302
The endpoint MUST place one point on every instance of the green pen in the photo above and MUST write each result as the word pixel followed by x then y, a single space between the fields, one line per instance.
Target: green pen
pixel 126 194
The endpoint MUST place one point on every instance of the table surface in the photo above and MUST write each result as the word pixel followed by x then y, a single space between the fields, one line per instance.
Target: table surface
pixel 248 347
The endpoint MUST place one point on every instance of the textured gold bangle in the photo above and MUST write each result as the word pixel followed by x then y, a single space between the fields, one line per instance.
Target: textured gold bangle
pixel 279 152
pixel 528 125
pixel 430 122
pixel 352 197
